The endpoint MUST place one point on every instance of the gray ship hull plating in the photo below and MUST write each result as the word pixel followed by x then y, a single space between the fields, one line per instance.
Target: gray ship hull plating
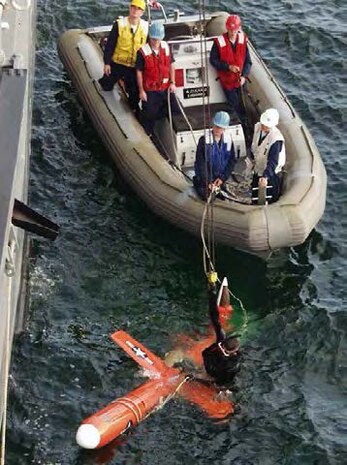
pixel 17 46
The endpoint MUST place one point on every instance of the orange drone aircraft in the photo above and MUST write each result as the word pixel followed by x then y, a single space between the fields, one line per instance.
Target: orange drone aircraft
pixel 165 381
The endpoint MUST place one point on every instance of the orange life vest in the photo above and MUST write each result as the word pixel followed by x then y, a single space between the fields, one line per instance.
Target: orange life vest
pixel 229 79
pixel 156 72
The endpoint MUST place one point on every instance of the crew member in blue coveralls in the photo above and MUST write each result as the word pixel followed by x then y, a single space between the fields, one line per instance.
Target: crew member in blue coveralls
pixel 269 154
pixel 215 157
pixel 155 73
pixel 230 56
pixel 125 39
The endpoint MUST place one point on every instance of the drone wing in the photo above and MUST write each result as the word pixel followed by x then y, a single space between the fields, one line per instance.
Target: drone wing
pixel 153 365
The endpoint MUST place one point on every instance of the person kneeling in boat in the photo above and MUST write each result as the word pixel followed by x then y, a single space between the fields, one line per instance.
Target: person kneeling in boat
pixel 155 77
pixel 231 59
pixel 269 154
pixel 215 157
pixel 125 39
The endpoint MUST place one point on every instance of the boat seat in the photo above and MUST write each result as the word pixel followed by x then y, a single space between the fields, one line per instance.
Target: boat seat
pixel 216 25
pixel 196 117
pixel 174 31
pixel 185 143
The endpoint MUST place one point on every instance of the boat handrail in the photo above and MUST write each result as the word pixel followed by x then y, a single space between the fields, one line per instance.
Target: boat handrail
pixel 156 6
pixel 191 39
pixel 94 31
pixel 99 29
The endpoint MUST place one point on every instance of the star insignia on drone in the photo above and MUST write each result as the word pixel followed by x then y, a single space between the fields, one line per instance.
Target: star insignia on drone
pixel 139 352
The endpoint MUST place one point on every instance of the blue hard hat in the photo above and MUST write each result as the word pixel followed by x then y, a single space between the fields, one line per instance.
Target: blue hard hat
pixel 221 119
pixel 156 31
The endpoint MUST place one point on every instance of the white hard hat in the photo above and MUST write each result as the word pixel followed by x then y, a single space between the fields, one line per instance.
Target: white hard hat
pixel 270 118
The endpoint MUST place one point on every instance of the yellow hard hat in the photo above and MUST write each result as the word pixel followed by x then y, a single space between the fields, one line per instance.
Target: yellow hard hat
pixel 139 3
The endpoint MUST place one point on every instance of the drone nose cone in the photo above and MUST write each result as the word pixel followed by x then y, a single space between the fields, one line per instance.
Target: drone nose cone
pixel 88 436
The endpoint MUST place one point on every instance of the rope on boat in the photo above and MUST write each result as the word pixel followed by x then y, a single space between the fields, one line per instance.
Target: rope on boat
pixel 186 120
pixel 157 141
pixel 171 124
pixel 173 132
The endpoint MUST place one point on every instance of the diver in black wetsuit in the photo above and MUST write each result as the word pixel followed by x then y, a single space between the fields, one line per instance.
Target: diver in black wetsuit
pixel 222 358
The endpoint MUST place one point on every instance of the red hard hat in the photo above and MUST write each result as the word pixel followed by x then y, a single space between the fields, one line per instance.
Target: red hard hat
pixel 233 23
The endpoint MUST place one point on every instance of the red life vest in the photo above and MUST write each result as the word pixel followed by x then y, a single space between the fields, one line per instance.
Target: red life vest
pixel 228 79
pixel 156 72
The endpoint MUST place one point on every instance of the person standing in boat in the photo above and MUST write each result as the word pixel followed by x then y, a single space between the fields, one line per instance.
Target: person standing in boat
pixel 269 154
pixel 215 157
pixel 230 57
pixel 155 77
pixel 125 39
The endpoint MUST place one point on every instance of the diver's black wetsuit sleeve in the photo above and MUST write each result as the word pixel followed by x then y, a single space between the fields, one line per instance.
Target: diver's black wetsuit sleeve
pixel 214 315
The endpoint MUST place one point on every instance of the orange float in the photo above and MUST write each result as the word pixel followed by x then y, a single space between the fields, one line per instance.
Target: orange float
pixel 126 412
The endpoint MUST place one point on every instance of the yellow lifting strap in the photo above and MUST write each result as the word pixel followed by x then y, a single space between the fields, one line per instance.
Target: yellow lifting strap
pixel 212 277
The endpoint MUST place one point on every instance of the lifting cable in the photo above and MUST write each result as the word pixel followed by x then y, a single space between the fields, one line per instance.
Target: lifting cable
pixel 209 267
pixel 208 249
pixel 207 222
pixel 209 245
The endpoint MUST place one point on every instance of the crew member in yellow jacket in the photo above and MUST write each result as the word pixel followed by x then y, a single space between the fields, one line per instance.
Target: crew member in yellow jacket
pixel 126 38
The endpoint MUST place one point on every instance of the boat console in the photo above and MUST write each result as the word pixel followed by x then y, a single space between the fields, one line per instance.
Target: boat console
pixel 199 96
pixel 199 118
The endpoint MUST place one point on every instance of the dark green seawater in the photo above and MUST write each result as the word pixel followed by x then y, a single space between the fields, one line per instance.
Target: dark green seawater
pixel 116 265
